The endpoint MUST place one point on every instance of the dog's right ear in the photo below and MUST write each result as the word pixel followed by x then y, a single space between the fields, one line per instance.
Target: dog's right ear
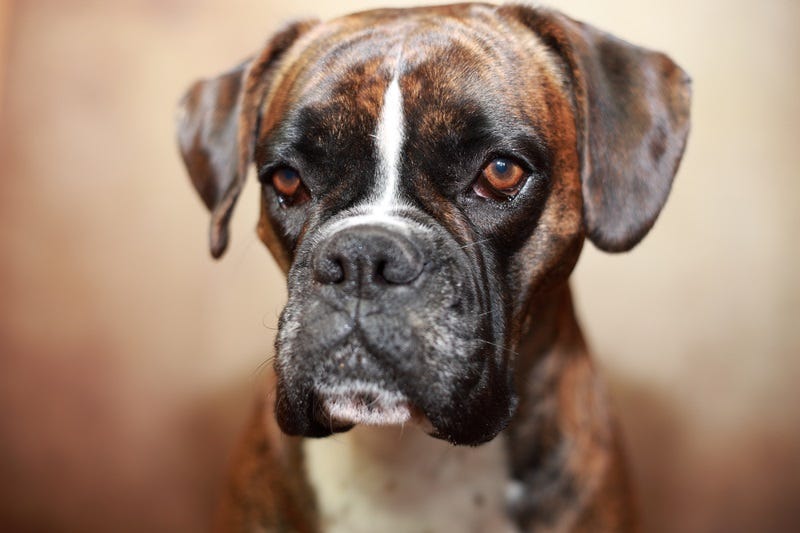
pixel 632 115
pixel 217 124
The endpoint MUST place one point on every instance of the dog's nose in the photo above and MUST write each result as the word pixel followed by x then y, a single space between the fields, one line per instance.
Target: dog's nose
pixel 368 259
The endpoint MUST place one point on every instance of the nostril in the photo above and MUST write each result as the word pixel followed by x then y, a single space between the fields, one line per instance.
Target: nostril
pixel 329 270
pixel 366 259
pixel 380 267
pixel 401 270
pixel 398 274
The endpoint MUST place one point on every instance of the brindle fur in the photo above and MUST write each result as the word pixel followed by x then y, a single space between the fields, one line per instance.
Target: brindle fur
pixel 611 121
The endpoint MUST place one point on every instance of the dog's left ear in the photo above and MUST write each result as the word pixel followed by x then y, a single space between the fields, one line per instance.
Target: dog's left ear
pixel 217 124
pixel 632 114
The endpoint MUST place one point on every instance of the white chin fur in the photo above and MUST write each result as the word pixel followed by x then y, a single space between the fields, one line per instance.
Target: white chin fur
pixel 366 406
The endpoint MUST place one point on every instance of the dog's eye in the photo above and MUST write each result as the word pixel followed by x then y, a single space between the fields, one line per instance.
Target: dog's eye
pixel 501 178
pixel 289 187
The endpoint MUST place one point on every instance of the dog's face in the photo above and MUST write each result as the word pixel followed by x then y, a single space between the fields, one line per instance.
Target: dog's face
pixel 425 173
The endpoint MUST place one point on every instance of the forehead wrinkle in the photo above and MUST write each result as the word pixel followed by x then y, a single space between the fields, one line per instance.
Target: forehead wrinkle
pixel 342 42
pixel 307 66
pixel 365 47
pixel 467 55
pixel 338 45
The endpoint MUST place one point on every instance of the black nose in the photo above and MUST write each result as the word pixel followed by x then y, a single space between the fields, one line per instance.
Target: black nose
pixel 367 259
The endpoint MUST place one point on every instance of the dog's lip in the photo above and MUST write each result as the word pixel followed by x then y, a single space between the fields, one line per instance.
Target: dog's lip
pixel 353 410
pixel 343 406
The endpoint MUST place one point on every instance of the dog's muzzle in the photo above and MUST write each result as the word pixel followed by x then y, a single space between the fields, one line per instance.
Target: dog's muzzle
pixel 383 326
pixel 365 262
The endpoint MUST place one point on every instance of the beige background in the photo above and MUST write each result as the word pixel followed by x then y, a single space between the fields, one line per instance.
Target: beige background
pixel 127 357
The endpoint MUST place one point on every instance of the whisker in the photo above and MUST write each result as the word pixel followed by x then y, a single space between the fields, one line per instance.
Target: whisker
pixel 264 323
pixel 474 243
pixel 498 346
pixel 263 365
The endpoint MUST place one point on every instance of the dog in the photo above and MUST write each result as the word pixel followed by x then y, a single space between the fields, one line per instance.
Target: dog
pixel 428 179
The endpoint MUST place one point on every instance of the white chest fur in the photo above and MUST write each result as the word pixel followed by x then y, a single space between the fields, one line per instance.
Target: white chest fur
pixel 395 480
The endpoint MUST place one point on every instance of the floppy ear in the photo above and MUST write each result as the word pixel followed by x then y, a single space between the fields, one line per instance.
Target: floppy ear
pixel 217 124
pixel 632 114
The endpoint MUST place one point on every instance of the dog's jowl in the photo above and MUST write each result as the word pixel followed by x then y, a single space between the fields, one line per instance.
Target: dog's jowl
pixel 428 177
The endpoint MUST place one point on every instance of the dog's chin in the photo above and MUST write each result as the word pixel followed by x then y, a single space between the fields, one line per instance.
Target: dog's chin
pixel 336 409
pixel 368 408
pixel 323 411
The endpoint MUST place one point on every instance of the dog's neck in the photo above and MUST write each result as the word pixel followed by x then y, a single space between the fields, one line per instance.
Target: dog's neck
pixel 553 467
pixel 400 479
pixel 564 453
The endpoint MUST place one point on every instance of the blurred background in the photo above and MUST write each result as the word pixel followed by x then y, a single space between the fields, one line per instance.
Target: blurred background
pixel 128 358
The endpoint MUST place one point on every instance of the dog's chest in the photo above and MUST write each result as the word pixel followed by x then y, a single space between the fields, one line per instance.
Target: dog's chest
pixel 403 481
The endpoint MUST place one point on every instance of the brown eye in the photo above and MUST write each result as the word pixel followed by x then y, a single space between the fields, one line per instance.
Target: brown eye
pixel 502 177
pixel 289 186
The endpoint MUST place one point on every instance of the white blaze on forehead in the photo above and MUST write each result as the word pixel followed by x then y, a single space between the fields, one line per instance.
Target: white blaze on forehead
pixel 380 206
pixel 389 141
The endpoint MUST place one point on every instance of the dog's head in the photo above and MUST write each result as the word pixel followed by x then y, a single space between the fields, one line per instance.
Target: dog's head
pixel 424 174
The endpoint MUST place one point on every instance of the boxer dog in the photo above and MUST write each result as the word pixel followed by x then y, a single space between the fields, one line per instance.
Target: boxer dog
pixel 428 177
